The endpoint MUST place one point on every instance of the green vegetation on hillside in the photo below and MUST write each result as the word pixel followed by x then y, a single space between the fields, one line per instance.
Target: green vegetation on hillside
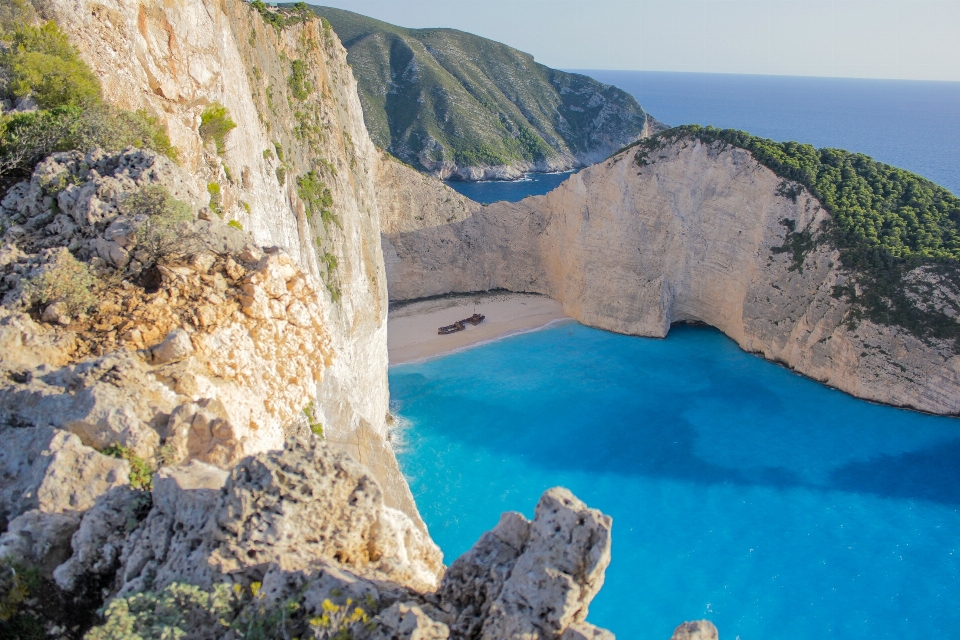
pixel 38 63
pixel 441 95
pixel 885 223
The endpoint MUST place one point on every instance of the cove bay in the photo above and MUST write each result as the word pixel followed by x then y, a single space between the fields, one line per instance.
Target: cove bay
pixel 739 491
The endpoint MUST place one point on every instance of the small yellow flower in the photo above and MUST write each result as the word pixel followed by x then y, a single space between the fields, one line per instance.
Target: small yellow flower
pixel 329 607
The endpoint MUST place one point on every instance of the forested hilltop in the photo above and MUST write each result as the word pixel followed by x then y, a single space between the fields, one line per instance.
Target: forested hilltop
pixel 458 105
pixel 898 233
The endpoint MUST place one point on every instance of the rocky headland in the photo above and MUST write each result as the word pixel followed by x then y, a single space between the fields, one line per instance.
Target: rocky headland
pixel 463 107
pixel 686 230
pixel 194 427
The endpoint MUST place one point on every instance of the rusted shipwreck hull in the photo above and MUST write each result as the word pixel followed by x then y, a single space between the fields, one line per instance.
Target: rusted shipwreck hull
pixel 460 325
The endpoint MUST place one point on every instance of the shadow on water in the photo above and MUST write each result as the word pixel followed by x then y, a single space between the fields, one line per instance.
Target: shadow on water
pixel 702 412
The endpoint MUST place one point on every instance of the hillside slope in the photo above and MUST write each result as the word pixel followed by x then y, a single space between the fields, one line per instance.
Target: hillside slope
pixel 458 105
pixel 693 228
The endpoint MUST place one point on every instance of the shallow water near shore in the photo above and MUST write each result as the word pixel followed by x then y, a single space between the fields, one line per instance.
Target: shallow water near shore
pixel 740 491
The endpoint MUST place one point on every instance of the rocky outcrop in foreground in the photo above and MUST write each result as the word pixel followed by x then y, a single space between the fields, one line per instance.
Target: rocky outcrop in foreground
pixel 290 536
pixel 692 232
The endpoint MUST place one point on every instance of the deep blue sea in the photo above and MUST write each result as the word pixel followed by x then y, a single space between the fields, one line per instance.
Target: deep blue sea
pixel 740 492
pixel 913 125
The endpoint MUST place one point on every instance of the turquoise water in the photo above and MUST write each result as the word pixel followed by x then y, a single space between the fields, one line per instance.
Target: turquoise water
pixel 739 491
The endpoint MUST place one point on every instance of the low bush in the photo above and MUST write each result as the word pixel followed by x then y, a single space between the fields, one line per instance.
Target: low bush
pixel 27 138
pixel 315 425
pixel 67 282
pixel 184 610
pixel 19 584
pixel 160 234
pixel 215 124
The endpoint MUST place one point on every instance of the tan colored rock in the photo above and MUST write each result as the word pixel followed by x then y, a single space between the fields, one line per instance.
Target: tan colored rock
pixel 689 237
pixel 24 344
pixel 696 630
pixel 530 579
pixel 586 631
pixel 175 346
pixel 108 400
pixel 40 540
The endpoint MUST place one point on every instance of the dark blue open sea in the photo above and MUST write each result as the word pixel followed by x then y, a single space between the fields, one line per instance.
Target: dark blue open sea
pixel 913 125
pixel 740 491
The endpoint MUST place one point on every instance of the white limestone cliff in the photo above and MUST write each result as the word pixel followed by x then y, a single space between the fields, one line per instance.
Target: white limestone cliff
pixel 695 235
pixel 175 59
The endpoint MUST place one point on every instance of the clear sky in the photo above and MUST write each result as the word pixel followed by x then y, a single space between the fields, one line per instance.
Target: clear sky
pixel 910 39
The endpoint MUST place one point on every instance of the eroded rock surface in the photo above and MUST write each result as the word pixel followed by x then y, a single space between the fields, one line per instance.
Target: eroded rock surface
pixel 288 508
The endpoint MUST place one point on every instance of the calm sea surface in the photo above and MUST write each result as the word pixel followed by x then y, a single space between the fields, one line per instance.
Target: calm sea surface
pixel 739 491
pixel 535 184
pixel 913 125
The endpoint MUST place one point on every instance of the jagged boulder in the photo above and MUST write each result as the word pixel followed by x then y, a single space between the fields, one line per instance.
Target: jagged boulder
pixel 531 579
pixel 48 478
pixel 98 542
pixel 53 472
pixel 403 621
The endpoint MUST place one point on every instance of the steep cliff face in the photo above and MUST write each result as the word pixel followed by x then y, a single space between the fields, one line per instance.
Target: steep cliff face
pixel 297 172
pixel 699 233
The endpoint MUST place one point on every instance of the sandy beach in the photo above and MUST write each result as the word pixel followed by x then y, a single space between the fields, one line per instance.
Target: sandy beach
pixel 412 327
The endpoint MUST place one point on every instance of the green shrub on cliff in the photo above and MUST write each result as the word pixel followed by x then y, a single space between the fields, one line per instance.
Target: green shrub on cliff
pixel 215 124
pixel 141 474
pixel 160 233
pixel 316 197
pixel 40 63
pixel 300 87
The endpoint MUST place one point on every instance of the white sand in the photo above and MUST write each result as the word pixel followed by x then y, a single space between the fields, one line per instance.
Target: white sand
pixel 412 328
